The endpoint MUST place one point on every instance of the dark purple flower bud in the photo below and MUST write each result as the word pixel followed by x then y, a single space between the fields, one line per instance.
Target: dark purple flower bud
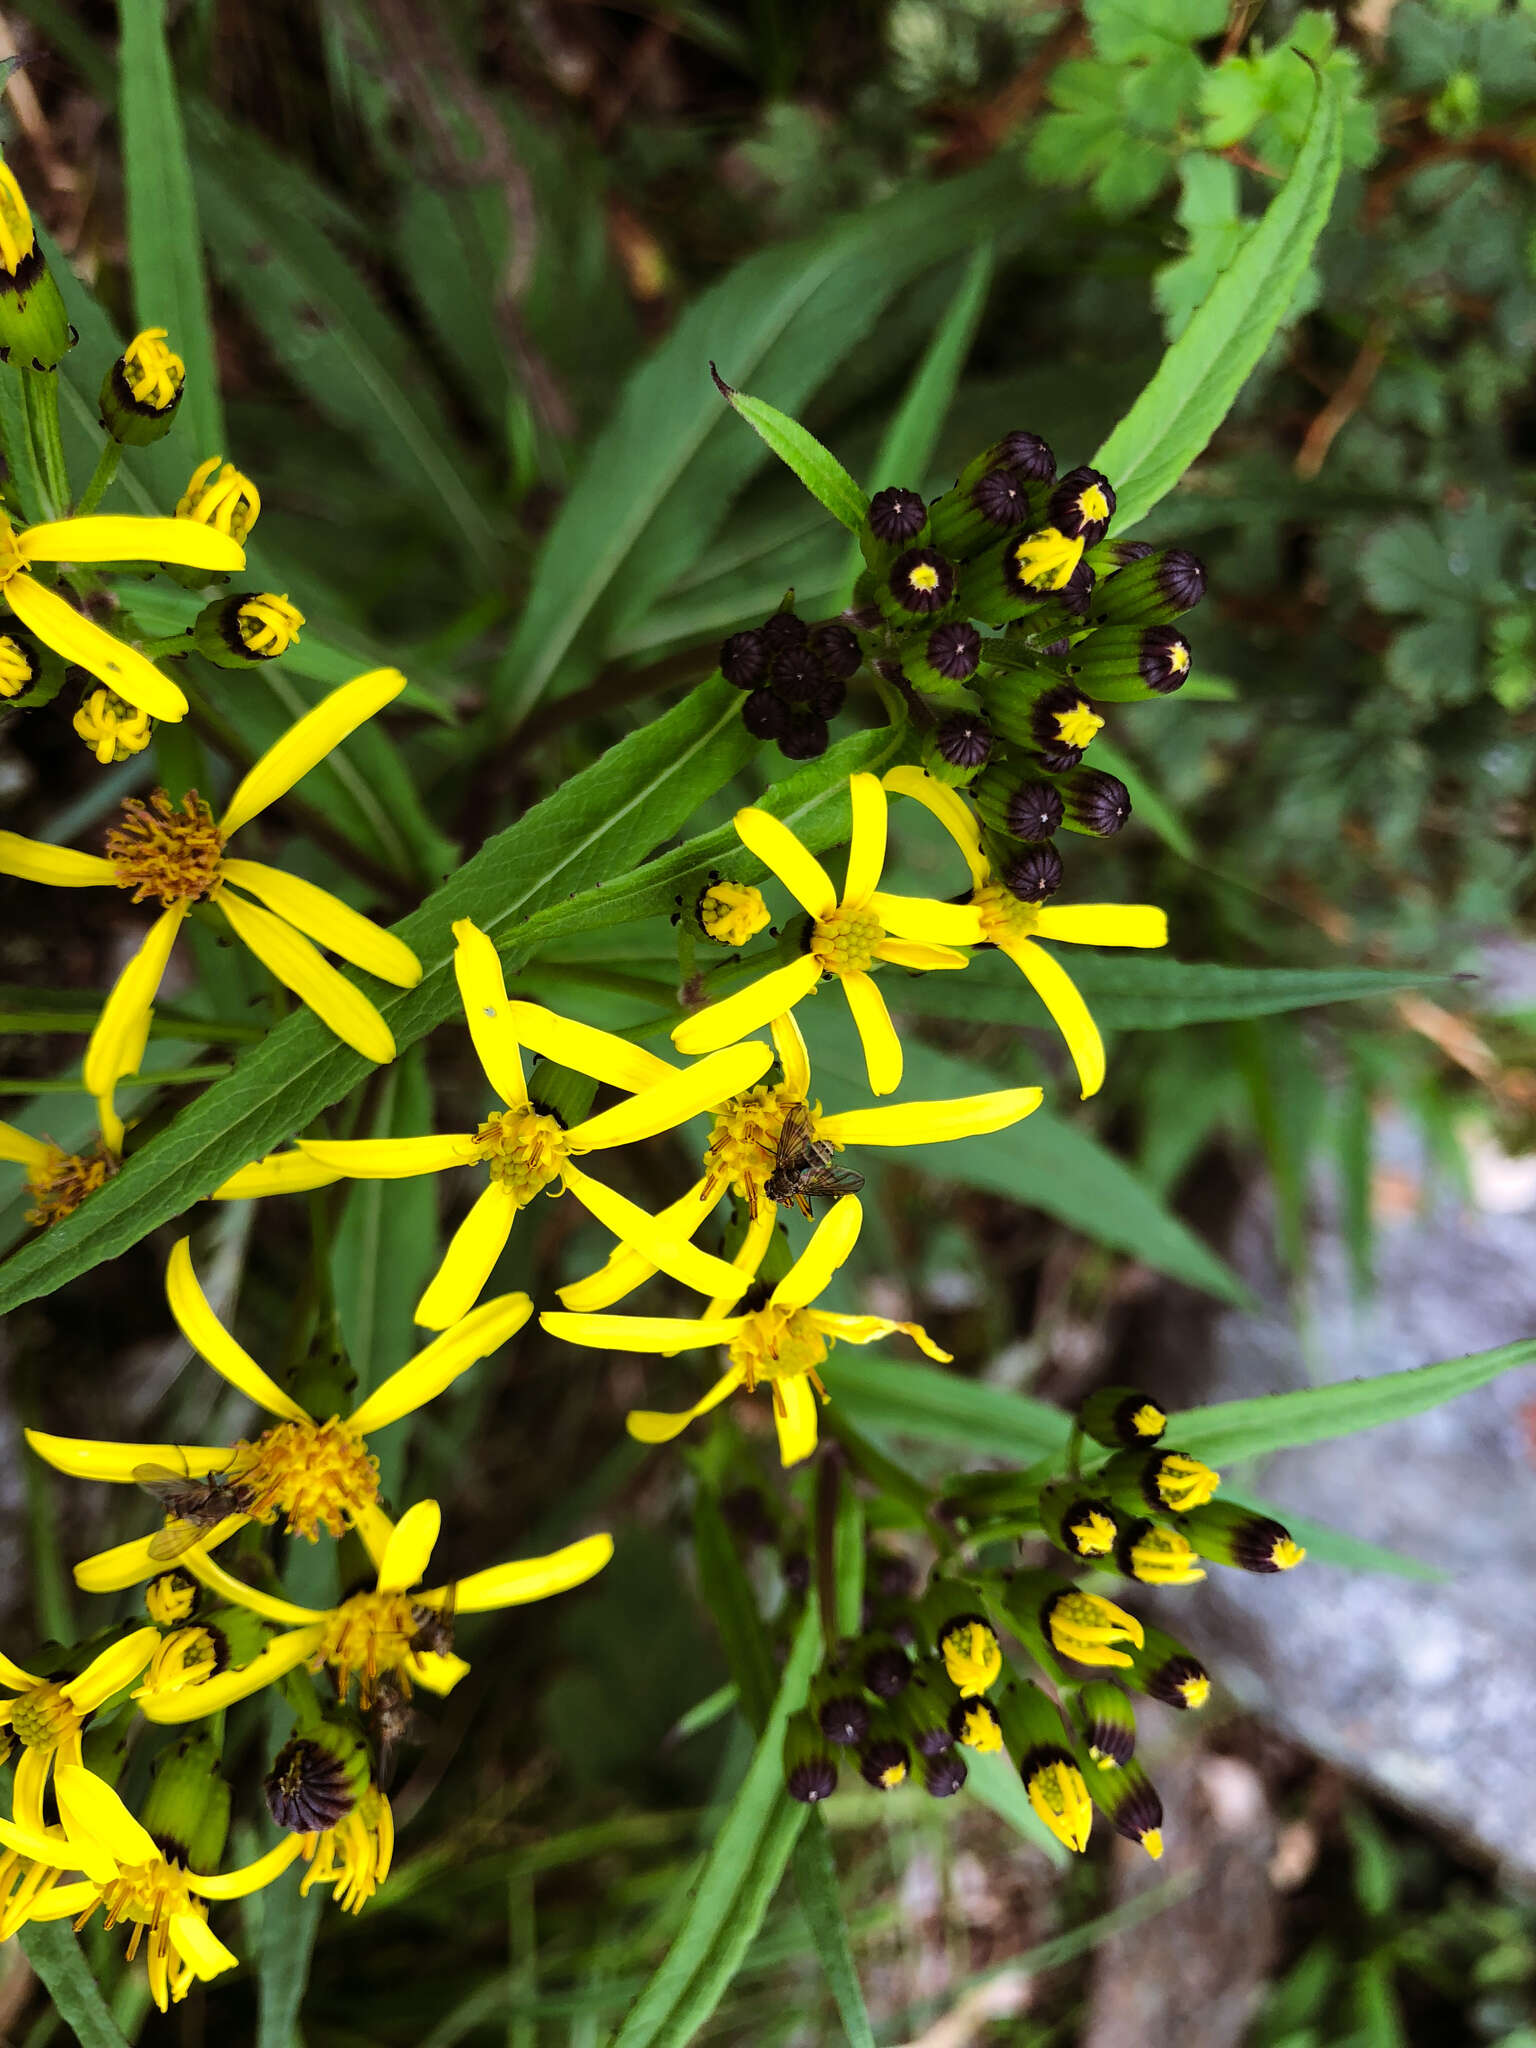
pixel 828 697
pixel 1028 454
pixel 1097 803
pixel 1034 875
pixel 811 1780
pixel 796 673
pixel 744 660
pixel 1001 499
pixel 807 738
pixel 766 716
pixel 964 739
pixel 784 630
pixel 308 1789
pixel 1082 504
pixel 1034 811
pixel 944 1775
pixel 954 650
pixel 896 515
pixel 836 649
pixel 922 580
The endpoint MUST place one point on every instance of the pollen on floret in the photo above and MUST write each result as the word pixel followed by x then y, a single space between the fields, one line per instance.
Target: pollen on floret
pixel 779 1343
pixel 525 1149
pixel 743 1142
pixel 174 853
pixel 112 728
pixel 844 941
pixel 60 1182
pixel 319 1475
pixel 366 1636
pixel 733 912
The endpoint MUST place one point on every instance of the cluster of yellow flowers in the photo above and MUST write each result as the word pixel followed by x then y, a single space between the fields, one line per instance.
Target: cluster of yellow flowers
pixel 212 1636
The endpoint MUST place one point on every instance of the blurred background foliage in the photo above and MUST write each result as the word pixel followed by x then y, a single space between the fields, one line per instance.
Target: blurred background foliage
pixel 441 242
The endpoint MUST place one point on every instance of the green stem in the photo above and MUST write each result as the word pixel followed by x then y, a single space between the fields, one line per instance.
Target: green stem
pixel 40 401
pixel 171 643
pixel 106 468
pixel 172 1077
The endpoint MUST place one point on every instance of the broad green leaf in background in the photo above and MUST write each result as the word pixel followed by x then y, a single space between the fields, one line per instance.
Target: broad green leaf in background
pixel 165 249
pixel 1278 1422
pixel 1147 801
pixel 517 888
pixel 815 1873
pixel 732 1604
pixel 895 1398
pixel 1201 375
pixel 817 467
pixel 53 1951
pixel 662 474
pixel 738 1880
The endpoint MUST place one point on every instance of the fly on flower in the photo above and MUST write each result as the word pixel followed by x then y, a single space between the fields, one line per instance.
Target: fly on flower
pixel 846 937
pixel 176 854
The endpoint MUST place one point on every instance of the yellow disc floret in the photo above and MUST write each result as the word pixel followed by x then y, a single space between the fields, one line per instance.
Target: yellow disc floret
pixel 1084 1626
pixel 525 1149
pixel 744 1142
pixel 972 1655
pixel 1046 560
pixel 779 1343
pixel 111 728
pixel 1163 1557
pixel 16 671
pixel 42 1717
pixel 845 941
pixel 980 1729
pixel 1092 1534
pixel 733 912
pixel 366 1636
pixel 268 624
pixel 1076 727
pixel 319 1475
pixel 60 1182
pixel 164 851
pixel 1059 1796
pixel 153 373
pixel 1182 1482
pixel 222 498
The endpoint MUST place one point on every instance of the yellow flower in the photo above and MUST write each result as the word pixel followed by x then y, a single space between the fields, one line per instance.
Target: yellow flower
pixel 69 633
pixel 1000 919
pixel 731 913
pixel 317 1474
pixel 225 502
pixel 16 672
pixel 355 1855
pixel 846 939
pixel 525 1149
pixel 111 728
pixel 743 1147
pixel 268 624
pixel 59 1181
pixel 153 372
pixel 126 1872
pixel 46 1717
pixel 783 1344
pixel 375 1633
pixel 177 855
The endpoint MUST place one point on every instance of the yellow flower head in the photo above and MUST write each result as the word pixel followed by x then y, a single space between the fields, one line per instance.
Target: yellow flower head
pixel 524 1147
pixel 1085 1627
pixel 221 498
pixel 153 373
pixel 268 625
pixel 177 855
pixel 972 1655
pixel 1000 919
pixel 16 670
pixel 733 912
pixel 1059 1795
pixel 354 1856
pixel 111 728
pixel 847 937
pixel 312 1473
pixel 384 1633
pixel 45 1716
pixel 781 1344
pixel 18 240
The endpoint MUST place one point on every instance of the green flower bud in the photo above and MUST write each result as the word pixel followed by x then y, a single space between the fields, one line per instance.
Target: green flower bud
pixel 1162 1481
pixel 1129 664
pixel 1078 1519
pixel 954 750
pixel 1106 1724
pixel 1129 1801
pixel 1155 588
pixel 1010 581
pixel 917 587
pixel 142 390
pixel 810 1766
pixel 1228 1533
pixel 1122 1418
pixel 982 510
pixel 1037 1741
pixel 561 1092
pixel 1162 1668
pixel 885 1762
pixel 920 1714
pixel 1017 803
pixel 837 1702
pixel 245 629
pixel 34 330
pixel 187 1810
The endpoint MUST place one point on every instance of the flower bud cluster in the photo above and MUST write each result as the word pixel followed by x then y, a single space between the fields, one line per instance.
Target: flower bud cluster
pixel 796 675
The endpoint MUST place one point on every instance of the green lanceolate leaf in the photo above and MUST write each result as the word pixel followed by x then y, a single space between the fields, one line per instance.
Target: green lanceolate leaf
pixel 1202 373
pixel 165 248
pixel 732 1604
pixel 536 881
pixel 738 1880
pixel 54 1953
pixel 662 474
pixel 815 1874
pixel 1279 1422
pixel 895 1398
pixel 817 467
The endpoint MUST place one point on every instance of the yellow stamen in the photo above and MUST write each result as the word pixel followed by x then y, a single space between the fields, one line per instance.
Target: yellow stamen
pixel 744 1142
pixel 1152 1842
pixel 892 1776
pixel 268 624
pixel 169 853
pixel 778 1343
pixel 365 1637
pixel 320 1475
pixel 61 1182
pixel 923 577
pixel 1164 1557
pixel 1184 1483
pixel 525 1149
pixel 186 1657
pixel 169 1599
pixel 844 941
pixel 1060 1798
pixel 111 728
pixel 1195 1692
pixel 15 667
pixel 1075 728
pixel 153 373
pixel 150 1895
pixel 221 498
pixel 355 1855
pixel 733 912
pixel 1092 503
pixel 972 1657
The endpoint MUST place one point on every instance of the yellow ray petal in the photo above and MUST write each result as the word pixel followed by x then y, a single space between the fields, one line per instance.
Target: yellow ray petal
pixel 832 1240
pixel 209 1338
pixel 664 1334
pixel 195 1941
pixel 22 1149
pixel 122 538
pixel 777 848
pixel 130 1564
pixel 794 1417
pixel 483 992
pixel 195 1702
pixel 280 1173
pixel 436 1673
pixel 328 921
pixel 789 1044
pixel 647 1426
pixel 534 1578
pixel 749 1254
pixel 34 860
pixel 251 1877
pixel 866 843
pixel 92 1811
pixel 423 1378
pixel 51 1849
pixel 867 1329
pixel 110 1051
pixel 308 741
pixel 738 1016
pixel 625 1269
pixel 635 1226
pixel 923 917
pixel 79 639
pixel 951 810
pixel 922 959
pixel 683 1094
pixel 409 1550
pixel 929 1123
pixel 472 1252
pixel 338 1003
pixel 590 1051
pixel 388 1158
pixel 286 1613
pixel 375 1529
pixel 1104 924
pixel 13 1675
pixel 85 1457
pixel 877 1034
pixel 1069 1013
pixel 28 1786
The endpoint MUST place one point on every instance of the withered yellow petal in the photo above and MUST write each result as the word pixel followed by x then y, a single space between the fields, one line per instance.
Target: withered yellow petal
pixel 866 1329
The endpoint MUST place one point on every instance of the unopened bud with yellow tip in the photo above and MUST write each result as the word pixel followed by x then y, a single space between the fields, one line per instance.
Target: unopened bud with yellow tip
pixel 142 390
pixel 249 627
pixel 1170 1482
pixel 1163 1669
pixel 1130 1802
pixel 1228 1533
pixel 1106 1724
pixel 1122 1418
pixel 111 728
pixel 731 913
pixel 34 328
pixel 217 495
pixel 1086 1628
pixel 961 1635
pixel 1078 1519
pixel 170 1598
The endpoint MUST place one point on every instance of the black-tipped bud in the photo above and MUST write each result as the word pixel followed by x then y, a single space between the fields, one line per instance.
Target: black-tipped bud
pixel 1164 1482
pixel 886 1669
pixel 837 649
pixel 246 628
pixel 1129 1801
pixel 1162 1668
pixel 1062 723
pixel 783 630
pixel 1106 1723
pixel 1096 804
pixel 919 582
pixel 810 1767
pixel 954 651
pixel 1122 1418
pixel 1077 1519
pixel 142 390
pixel 974 1724
pixel 1228 1533
pixel 841 1710
pixel 744 659
pixel 766 716
pixel 1128 664
pixel 897 516
pixel 1159 585
pixel 795 672
pixel 1036 874
pixel 964 740
pixel 34 328
pixel 1024 809
pixel 806 737
pixel 1001 498
pixel 1082 505
pixel 885 1763
pixel 316 1780
pixel 943 1776
pixel 1028 454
